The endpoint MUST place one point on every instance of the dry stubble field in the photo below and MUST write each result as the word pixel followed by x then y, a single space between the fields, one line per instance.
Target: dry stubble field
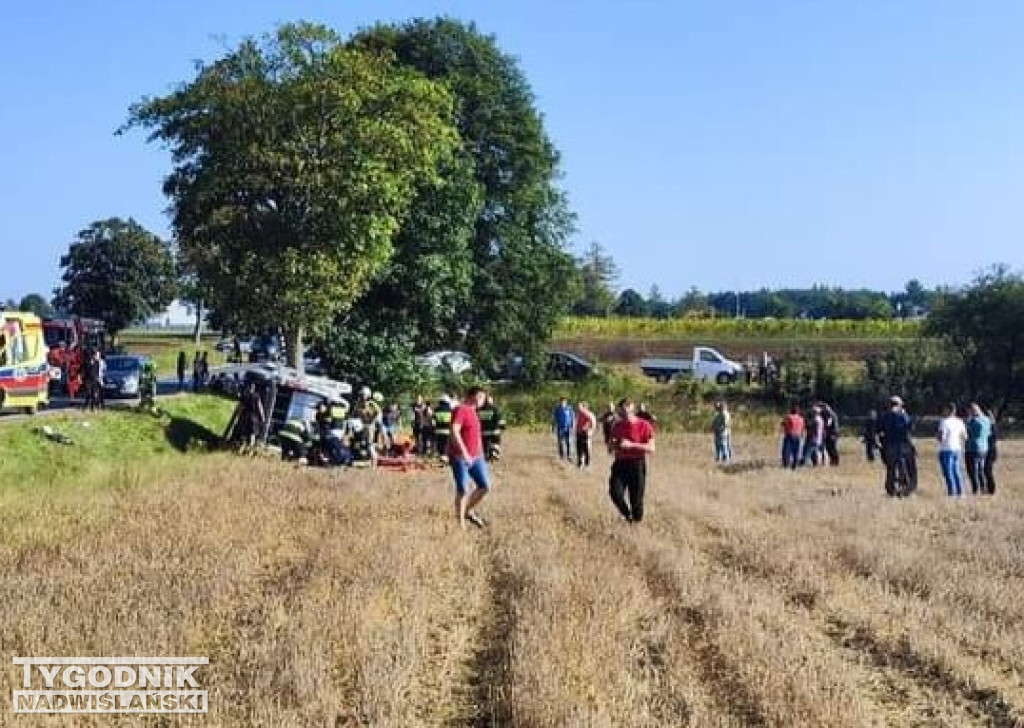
pixel 763 598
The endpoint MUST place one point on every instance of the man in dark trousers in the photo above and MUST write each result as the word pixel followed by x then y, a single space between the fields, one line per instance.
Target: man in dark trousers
pixel 492 423
pixel 443 426
pixel 182 366
pixel 870 436
pixel 831 439
pixel 894 430
pixel 632 440
pixel 420 413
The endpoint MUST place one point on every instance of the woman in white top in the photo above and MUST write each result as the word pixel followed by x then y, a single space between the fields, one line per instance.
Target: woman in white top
pixel 951 436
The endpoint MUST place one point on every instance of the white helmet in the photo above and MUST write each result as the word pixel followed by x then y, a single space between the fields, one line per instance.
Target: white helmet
pixel 364 392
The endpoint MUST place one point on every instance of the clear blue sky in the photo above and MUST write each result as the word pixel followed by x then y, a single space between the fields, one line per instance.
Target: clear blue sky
pixel 717 144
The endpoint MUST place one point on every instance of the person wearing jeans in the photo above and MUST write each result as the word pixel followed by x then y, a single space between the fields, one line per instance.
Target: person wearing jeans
pixel 990 459
pixel 564 424
pixel 792 433
pixel 979 428
pixel 721 426
pixel 952 435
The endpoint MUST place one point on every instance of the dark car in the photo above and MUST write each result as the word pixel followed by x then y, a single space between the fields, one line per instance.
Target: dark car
pixel 266 348
pixel 123 374
pixel 565 366
pixel 561 365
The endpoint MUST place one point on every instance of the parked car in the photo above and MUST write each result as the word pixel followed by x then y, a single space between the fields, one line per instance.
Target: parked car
pixel 227 345
pixel 565 366
pixel 707 364
pixel 267 347
pixel 561 365
pixel 457 362
pixel 123 374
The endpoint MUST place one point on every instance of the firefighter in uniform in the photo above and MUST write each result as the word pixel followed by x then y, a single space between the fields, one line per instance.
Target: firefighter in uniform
pixel 334 442
pixel 147 386
pixel 443 426
pixel 295 440
pixel 492 424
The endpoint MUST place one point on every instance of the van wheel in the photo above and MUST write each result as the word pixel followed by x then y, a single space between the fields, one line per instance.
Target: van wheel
pixel 723 378
pixel 30 410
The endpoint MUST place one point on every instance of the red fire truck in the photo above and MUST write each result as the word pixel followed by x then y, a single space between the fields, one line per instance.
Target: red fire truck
pixel 67 337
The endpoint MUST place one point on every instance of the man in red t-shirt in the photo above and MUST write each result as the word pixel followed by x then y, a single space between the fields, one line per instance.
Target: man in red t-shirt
pixel 466 457
pixel 631 440
pixel 792 434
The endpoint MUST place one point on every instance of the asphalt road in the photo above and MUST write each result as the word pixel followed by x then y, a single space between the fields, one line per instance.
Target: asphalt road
pixel 164 388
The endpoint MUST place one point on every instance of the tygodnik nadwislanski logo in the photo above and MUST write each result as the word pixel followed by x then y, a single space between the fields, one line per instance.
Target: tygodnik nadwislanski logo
pixel 110 685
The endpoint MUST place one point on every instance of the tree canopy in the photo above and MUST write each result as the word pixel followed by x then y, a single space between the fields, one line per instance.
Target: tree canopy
pixel 117 271
pixel 523 279
pixel 982 325
pixel 296 161
pixel 37 304
pixel 598 274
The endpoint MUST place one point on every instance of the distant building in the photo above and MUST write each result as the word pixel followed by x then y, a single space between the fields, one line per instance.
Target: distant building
pixel 177 315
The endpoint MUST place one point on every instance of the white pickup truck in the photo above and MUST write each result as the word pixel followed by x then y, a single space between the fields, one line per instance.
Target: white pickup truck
pixel 707 364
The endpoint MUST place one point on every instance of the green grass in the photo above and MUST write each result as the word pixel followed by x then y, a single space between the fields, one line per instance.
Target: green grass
pixel 106 445
pixel 164 348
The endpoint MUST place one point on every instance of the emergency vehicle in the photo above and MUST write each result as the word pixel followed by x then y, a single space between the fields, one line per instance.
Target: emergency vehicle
pixel 67 338
pixel 24 370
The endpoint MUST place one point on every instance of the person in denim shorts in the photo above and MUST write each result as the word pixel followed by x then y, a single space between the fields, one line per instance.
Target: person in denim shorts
pixel 466 458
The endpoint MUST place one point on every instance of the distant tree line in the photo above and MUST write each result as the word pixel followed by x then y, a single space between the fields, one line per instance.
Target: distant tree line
pixel 598 296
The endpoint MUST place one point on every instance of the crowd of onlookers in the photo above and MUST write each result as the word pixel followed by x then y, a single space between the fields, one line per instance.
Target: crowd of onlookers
pixel 574 428
pixel 811 437
pixel 200 371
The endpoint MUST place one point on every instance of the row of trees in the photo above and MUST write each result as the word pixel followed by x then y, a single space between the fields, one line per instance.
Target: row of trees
pixel 599 297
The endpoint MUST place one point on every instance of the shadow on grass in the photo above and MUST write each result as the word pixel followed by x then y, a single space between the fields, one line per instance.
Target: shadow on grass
pixel 186 435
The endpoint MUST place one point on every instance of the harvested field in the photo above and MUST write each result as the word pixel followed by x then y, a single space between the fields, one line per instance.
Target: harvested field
pixel 748 597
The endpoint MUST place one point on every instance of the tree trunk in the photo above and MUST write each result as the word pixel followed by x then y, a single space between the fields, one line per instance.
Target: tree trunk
pixel 197 332
pixel 293 340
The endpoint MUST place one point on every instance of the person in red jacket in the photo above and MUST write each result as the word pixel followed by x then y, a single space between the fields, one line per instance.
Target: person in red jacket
pixel 466 457
pixel 631 441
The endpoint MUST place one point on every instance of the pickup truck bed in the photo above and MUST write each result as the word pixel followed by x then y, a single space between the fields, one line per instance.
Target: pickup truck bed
pixel 665 369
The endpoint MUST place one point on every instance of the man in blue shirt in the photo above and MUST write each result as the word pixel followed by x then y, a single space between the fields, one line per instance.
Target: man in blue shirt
pixel 979 429
pixel 563 425
pixel 894 430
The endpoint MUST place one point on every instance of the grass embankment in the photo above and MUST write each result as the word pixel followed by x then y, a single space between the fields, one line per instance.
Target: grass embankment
pixel 106 446
pixel 767 599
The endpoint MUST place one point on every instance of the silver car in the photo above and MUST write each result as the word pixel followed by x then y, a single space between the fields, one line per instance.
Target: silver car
pixel 123 374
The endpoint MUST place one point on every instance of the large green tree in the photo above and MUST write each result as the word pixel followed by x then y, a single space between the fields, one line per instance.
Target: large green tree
pixel 524 280
pixel 117 271
pixel 982 326
pixel 296 159
pixel 37 304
